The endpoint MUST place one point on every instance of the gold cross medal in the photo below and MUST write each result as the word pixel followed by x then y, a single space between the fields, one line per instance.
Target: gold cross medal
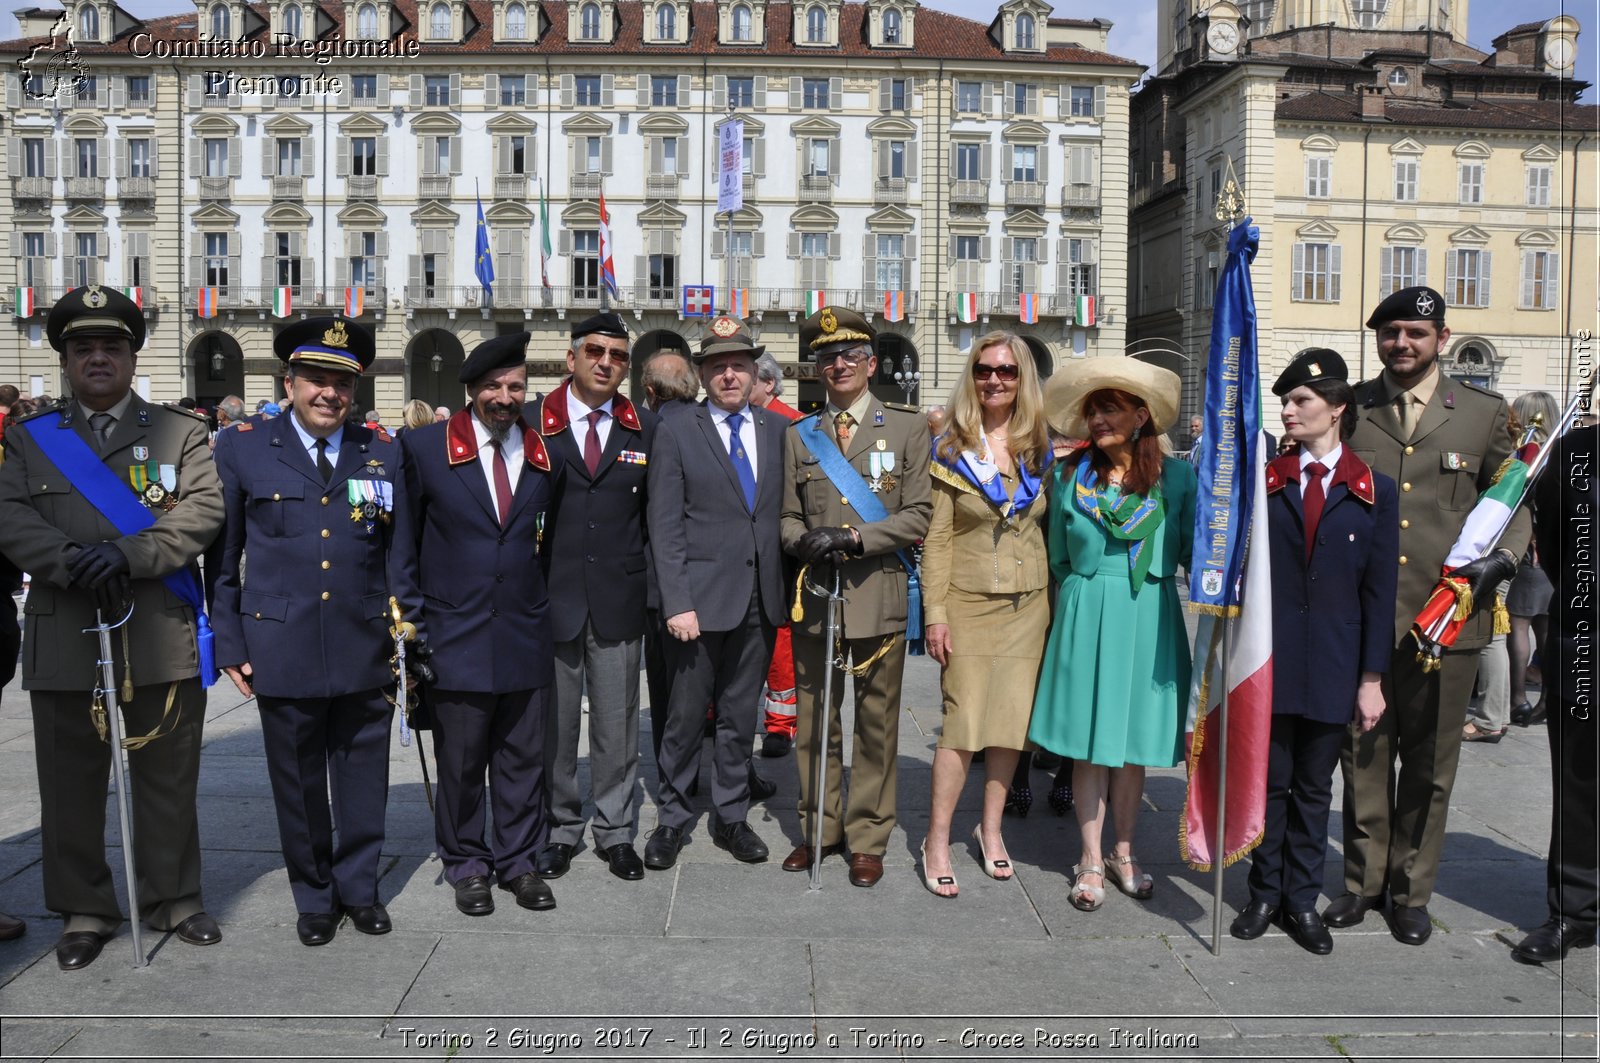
pixel 881 463
pixel 364 499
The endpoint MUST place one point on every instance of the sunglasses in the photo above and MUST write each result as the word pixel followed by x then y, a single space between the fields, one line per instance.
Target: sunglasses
pixel 847 357
pixel 597 352
pixel 980 371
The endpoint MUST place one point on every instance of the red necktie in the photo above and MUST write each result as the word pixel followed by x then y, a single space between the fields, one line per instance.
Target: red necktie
pixel 591 442
pixel 1314 498
pixel 502 485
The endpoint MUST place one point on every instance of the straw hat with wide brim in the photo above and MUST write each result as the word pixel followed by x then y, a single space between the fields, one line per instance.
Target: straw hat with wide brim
pixel 1066 391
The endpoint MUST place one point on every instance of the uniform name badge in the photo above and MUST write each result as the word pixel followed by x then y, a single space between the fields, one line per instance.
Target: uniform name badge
pixel 881 463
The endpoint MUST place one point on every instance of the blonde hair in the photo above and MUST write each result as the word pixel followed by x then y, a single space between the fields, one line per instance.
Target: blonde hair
pixel 417 414
pixel 1525 406
pixel 963 413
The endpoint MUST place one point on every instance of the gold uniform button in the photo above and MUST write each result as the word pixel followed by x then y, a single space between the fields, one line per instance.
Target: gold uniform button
pixel 1402 561
pixel 1410 450
pixel 324 499
pixel 844 501
pixel 327 534
pixel 258 616
pixel 1403 525
pixel 1403 487
pixel 326 596
pixel 277 497
pixel 327 564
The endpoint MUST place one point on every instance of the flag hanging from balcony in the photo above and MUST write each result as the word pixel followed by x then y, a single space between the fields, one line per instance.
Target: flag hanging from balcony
pixel 1028 308
pixel 816 299
pixel 282 302
pixel 136 293
pixel 894 306
pixel 966 307
pixel 699 300
pixel 206 303
pixel 739 302
pixel 355 301
pixel 1083 311
pixel 483 264
pixel 608 269
pixel 24 302
pixel 544 237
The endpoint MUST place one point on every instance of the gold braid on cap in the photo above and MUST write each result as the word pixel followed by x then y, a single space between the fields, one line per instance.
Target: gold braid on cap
pixel 336 336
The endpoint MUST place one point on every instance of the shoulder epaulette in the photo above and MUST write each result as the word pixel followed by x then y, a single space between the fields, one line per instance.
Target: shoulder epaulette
pixel 243 426
pixel 903 407
pixel 383 434
pixel 175 408
pixel 41 411
pixel 1479 388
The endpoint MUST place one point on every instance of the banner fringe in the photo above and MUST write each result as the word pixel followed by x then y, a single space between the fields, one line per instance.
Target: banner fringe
pixel 1214 610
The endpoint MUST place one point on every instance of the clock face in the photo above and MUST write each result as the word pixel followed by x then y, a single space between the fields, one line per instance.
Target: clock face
pixel 1222 37
pixel 1558 51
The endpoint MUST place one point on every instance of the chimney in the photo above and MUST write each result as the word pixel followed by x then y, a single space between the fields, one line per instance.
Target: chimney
pixel 1373 108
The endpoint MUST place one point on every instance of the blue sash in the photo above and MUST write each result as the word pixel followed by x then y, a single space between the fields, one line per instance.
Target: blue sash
pixel 118 504
pixel 837 468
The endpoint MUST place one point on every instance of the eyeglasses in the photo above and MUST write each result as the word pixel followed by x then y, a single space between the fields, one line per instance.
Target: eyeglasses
pixel 597 352
pixel 981 372
pixel 852 357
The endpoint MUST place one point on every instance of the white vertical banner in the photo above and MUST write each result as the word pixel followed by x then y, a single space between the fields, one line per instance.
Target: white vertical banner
pixel 730 166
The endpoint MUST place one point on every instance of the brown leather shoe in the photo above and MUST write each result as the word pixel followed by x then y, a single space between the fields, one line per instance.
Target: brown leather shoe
pixel 865 870
pixel 800 859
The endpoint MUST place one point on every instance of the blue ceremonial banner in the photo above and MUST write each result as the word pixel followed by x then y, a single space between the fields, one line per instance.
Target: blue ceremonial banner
pixel 484 264
pixel 1229 435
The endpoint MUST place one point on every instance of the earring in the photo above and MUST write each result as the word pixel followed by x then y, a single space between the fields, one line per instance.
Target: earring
pixel 1135 438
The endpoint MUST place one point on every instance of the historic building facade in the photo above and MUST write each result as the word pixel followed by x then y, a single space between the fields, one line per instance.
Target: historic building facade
pixel 1375 150
pixel 251 163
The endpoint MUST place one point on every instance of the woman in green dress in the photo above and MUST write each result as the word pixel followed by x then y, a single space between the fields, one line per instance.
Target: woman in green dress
pixel 1114 683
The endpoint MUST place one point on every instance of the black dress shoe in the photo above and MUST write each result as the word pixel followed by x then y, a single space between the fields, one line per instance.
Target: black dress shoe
pixel 774 744
pixel 1411 926
pixel 761 789
pixel 661 851
pixel 533 892
pixel 77 949
pixel 741 841
pixel 11 927
pixel 317 928
pixel 624 862
pixel 1551 942
pixel 198 929
pixel 473 896
pixel 1348 909
pixel 1253 921
pixel 1308 931
pixel 370 919
pixel 554 861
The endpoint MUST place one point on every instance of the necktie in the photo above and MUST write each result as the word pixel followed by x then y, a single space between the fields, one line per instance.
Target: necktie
pixel 101 424
pixel 591 442
pixel 842 424
pixel 502 485
pixel 1408 414
pixel 741 460
pixel 1314 499
pixel 324 466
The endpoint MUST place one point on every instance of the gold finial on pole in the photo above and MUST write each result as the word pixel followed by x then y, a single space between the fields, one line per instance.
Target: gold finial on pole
pixel 1230 206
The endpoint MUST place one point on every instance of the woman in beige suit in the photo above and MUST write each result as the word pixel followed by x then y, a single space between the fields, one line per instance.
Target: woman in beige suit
pixel 985 578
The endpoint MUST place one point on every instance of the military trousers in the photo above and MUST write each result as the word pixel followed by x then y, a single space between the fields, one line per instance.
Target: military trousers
pixel 608 671
pixel 1572 875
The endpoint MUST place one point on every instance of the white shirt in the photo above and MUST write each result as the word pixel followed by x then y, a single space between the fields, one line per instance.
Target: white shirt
pixel 511 447
pixel 578 418
pixel 309 441
pixel 1329 460
pixel 747 432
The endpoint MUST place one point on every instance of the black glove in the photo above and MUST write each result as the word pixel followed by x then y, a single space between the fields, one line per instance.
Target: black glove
pixel 819 541
pixel 94 565
pixel 111 596
pixel 417 666
pixel 1486 574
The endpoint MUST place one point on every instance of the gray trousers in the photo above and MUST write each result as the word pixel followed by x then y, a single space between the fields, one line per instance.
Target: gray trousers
pixel 609 671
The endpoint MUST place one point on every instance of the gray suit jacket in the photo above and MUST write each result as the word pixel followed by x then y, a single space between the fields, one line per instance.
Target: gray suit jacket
pixel 706 545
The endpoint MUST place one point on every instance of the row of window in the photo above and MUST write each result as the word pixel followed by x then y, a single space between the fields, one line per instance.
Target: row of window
pixel 1537 179
pixel 1317 270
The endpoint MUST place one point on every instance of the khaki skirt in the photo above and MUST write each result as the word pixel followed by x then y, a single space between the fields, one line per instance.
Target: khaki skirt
pixel 996 643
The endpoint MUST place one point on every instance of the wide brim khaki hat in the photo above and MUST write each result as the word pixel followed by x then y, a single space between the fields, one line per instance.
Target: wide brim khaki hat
pixel 1066 390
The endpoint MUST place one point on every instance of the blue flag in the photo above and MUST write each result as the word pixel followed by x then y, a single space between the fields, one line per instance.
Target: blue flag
pixel 483 265
pixel 1226 462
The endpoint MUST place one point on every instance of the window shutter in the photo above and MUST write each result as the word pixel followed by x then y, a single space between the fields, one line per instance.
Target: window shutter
pixel 685 87
pixel 1044 164
pixel 1386 270
pixel 1033 100
pixel 885 97
pixel 761 92
pixel 308 157
pixel 455 90
pixel 491 90
pixel 119 162
pixel 568 91
pixel 269 272
pixel 455 155
pixel 345 93
pixel 1528 260
pixel 14 155
pixel 381 245
pixel 683 156
pixel 719 242
pixel 1099 101
pixel 796 94
pixel 383 90
pixel 235 157
pixel 880 158
pixel 1422 266
pixel 869 249
pixel 1552 275
pixel 605 155
pixel 382 163
pixel 608 89
pixel 642 87
pixel 429 157
pixel 835 93
pixel 341 273
pixel 197 157
pixel 269 156
pixel 911 88
pixel 13 95
pixel 414 275
pixel 911 160
pixel 308 269
pixel 985 161
pixel 758 166
pixel 719 92
pixel 1007 98
pixel 49 161
pixel 197 263
pixel 833 159
pixel 794 245
pixel 1452 260
pixel 758 244
pixel 502 154
pixel 341 157
pixel 988 98
pixel 1008 249
pixel 1484 272
pixel 1009 155
pixel 1298 272
pixel 1335 268
pixel 835 246
pixel 119 93
pixel 196 92
pixel 641 276
pixel 564 242
pixel 416 90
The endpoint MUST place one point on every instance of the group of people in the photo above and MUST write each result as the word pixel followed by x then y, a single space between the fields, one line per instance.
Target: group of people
pixel 530 552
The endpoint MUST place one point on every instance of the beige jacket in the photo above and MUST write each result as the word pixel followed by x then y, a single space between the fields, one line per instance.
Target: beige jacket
pixel 969 548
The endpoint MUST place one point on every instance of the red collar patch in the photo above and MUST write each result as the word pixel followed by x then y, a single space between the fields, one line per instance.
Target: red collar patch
pixel 1283 469
pixel 533 449
pixel 553 411
pixel 1351 471
pixel 460 439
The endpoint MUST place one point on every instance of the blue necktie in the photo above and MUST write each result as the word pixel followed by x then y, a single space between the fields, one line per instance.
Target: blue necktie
pixel 741 460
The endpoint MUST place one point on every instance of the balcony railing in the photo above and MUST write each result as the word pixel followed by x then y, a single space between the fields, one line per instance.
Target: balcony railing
pixel 749 187
pixel 1025 193
pixel 136 188
pixel 364 186
pixel 889 190
pixel 585 186
pixel 216 188
pixel 33 187
pixel 1080 196
pixel 289 188
pixel 662 187
pixel 816 188
pixel 970 193
pixel 435 187
pixel 442 297
pixel 86 187
pixel 511 186
pixel 301 297
pixel 1006 303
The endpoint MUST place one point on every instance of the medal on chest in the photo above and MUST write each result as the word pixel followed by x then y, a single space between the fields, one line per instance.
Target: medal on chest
pixel 881 462
pixel 370 501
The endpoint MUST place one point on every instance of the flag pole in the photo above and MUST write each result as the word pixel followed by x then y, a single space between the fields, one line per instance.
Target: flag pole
pixel 1218 864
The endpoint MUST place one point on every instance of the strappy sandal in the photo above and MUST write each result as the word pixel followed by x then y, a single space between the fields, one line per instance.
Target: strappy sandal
pixel 1087 898
pixel 932 883
pixel 1139 889
pixel 992 868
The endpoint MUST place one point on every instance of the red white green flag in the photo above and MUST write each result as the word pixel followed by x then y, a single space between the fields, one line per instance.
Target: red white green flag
pixel 282 301
pixel 966 307
pixel 24 302
pixel 1083 311
pixel 816 299
pixel 136 293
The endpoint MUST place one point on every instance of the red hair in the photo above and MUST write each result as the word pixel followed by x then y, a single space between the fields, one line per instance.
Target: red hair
pixel 1147 455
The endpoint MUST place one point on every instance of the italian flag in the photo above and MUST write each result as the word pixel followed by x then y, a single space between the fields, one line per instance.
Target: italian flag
pixel 24 302
pixel 282 302
pixel 355 301
pixel 966 307
pixel 1083 311
pixel 816 299
pixel 136 293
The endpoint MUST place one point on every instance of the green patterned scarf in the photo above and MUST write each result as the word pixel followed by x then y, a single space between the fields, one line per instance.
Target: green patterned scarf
pixel 1132 518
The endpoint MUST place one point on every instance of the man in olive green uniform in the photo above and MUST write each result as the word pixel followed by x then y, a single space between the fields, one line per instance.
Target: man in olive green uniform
pixel 887 446
pixel 1442 440
pixel 81 562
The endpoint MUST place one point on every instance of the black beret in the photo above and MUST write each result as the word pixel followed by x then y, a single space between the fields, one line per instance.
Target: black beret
pixel 328 343
pixel 1421 303
pixel 95 311
pixel 502 352
pixel 602 324
pixel 1314 363
pixel 834 328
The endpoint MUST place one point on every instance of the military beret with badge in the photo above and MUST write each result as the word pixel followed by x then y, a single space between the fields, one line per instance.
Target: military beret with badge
pixel 1419 303
pixel 1314 363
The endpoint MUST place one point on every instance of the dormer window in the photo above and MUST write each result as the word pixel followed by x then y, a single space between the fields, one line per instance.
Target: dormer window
pixel 1398 78
pixel 666 23
pixel 589 23
pixel 88 23
pixel 367 22
pixel 439 22
pixel 891 26
pixel 1025 32
pixel 291 22
pixel 221 22
pixel 743 24
pixel 816 26
pixel 516 21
